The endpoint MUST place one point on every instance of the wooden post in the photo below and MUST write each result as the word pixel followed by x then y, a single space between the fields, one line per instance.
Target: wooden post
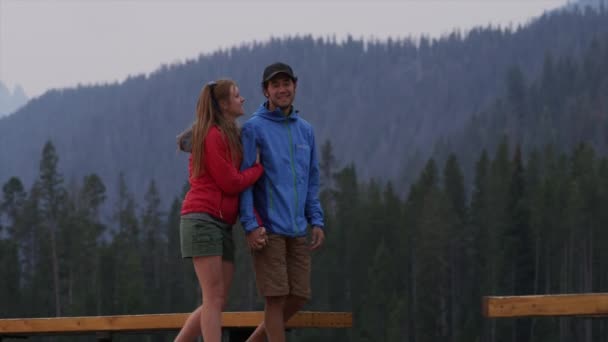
pixel 2 337
pixel 104 336
pixel 236 334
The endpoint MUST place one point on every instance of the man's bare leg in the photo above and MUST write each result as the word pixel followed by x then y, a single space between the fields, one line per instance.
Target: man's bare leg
pixel 293 304
pixel 274 323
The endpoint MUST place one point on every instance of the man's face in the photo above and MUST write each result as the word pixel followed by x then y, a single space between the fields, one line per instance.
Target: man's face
pixel 280 91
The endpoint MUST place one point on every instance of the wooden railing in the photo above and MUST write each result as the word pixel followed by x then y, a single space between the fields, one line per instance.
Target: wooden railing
pixel 237 325
pixel 576 304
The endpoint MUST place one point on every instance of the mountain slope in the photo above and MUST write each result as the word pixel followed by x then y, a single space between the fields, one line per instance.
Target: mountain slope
pixel 382 105
pixel 565 106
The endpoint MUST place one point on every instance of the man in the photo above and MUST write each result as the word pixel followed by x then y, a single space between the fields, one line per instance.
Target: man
pixel 285 199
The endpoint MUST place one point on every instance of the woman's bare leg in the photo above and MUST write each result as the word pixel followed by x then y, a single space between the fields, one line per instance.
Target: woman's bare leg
pixel 210 274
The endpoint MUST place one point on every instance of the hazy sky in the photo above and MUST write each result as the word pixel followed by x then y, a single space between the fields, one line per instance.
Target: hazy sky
pixel 60 43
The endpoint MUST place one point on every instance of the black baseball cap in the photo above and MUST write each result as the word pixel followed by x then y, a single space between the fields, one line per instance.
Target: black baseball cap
pixel 278 68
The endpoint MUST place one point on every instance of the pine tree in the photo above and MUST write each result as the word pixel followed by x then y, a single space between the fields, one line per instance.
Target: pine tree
pixel 456 197
pixel 519 258
pixel 129 280
pixel 153 242
pixel 327 165
pixel 52 205
pixel 375 313
pixel 182 288
pixel 348 275
pixel 477 251
pixel 90 199
pixel 498 180
pixel 11 206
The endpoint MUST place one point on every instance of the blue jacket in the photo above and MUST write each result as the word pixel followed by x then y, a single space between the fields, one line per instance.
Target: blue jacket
pixel 286 197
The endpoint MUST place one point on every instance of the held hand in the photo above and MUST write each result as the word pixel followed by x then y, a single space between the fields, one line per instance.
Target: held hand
pixel 257 239
pixel 318 237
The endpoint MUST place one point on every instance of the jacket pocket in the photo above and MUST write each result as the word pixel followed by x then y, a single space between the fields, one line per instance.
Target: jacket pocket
pixel 302 157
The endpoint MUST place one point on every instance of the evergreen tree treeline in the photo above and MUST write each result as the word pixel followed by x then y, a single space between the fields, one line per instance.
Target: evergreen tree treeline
pixel 411 269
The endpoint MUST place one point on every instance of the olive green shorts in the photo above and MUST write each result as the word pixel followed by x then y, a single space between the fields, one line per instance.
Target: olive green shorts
pixel 204 235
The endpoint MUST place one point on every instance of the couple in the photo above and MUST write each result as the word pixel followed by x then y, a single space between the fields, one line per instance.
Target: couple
pixel 268 173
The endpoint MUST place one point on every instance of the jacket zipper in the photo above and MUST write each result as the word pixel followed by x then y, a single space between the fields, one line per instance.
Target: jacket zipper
pixel 293 170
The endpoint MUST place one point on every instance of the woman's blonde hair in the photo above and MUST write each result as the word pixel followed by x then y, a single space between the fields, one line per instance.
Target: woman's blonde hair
pixel 209 113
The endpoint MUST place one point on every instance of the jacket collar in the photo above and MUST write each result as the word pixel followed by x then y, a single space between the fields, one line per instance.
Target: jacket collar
pixel 277 114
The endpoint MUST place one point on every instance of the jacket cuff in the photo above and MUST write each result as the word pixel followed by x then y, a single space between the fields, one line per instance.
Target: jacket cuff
pixel 250 226
pixel 318 224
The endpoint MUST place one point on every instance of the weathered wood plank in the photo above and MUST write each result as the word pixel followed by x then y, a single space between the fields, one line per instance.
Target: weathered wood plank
pixel 581 304
pixel 134 323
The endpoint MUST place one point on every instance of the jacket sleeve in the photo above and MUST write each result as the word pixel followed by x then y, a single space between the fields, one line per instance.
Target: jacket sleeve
pixel 247 211
pixel 313 210
pixel 221 168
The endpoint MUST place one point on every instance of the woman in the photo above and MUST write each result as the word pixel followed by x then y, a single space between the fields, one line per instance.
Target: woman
pixel 211 205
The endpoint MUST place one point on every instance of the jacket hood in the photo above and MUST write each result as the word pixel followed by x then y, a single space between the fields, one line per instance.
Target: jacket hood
pixel 184 140
pixel 275 115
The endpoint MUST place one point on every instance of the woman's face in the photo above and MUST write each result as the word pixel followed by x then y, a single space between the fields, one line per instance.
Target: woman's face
pixel 233 106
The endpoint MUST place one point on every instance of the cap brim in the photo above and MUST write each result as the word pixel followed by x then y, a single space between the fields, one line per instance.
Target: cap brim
pixel 271 76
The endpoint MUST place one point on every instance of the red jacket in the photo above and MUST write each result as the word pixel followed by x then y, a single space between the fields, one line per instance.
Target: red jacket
pixel 216 190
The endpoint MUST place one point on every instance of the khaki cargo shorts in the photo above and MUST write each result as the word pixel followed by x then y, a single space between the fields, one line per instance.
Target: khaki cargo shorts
pixel 283 267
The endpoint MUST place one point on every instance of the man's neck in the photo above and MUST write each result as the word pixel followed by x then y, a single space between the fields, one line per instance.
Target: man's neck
pixel 286 111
